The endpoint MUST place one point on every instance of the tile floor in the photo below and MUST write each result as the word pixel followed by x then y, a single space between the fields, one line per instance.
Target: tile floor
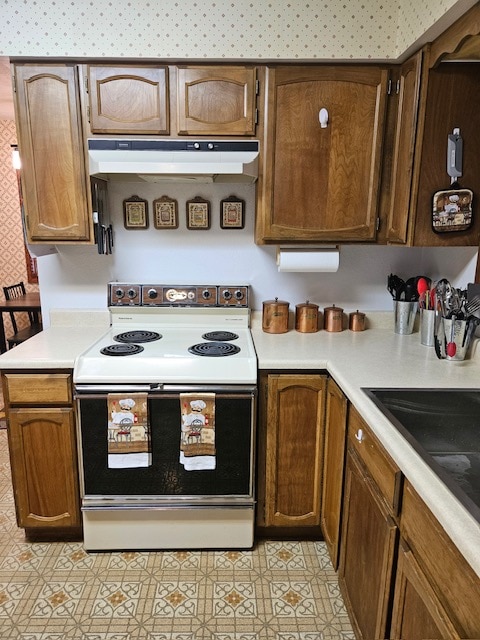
pixel 56 591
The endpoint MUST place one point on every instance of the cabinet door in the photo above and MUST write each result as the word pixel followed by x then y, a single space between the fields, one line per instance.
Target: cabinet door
pixel 417 612
pixel 44 467
pixel 367 553
pixel 403 153
pixel 216 100
pixel 333 468
pixel 452 99
pixel 130 99
pixel 321 183
pixel 294 449
pixel 54 178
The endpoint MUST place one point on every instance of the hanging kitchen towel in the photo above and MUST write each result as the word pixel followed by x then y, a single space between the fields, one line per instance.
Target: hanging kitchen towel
pixel 197 439
pixel 128 431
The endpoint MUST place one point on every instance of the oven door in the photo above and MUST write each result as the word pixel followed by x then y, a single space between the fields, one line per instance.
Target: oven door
pixel 163 505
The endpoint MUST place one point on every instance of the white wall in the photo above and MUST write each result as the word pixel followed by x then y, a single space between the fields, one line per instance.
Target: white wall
pixel 76 277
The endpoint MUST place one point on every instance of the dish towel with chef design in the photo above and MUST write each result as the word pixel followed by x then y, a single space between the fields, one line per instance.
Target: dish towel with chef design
pixel 197 440
pixel 128 431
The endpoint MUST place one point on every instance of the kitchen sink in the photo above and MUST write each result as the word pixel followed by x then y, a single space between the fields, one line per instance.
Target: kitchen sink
pixel 443 426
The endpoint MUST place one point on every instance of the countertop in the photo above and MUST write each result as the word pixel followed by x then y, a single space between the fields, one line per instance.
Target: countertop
pixel 376 357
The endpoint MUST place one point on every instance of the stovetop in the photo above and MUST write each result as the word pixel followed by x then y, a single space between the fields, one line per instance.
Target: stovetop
pixel 225 358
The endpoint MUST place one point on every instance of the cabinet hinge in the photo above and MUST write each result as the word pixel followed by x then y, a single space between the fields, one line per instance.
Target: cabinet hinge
pixel 85 80
pixel 88 113
pixel 377 224
pixel 14 84
pixel 393 87
pixel 257 87
pixel 256 116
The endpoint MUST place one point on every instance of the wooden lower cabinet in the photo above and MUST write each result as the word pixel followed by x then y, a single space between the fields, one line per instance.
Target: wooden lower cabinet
pixel 43 454
pixel 333 468
pixel 290 451
pixel 417 610
pixel 369 532
pixel 437 594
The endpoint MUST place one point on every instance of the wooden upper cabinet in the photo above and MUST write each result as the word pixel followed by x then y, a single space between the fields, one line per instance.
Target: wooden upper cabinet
pixel 404 149
pixel 54 178
pixel 216 100
pixel 321 183
pixel 130 99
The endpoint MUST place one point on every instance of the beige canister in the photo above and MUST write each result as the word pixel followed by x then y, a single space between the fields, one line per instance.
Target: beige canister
pixel 275 316
pixel 306 317
pixel 333 318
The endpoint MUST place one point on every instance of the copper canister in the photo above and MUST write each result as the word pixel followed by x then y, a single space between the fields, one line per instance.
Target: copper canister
pixel 306 317
pixel 356 321
pixel 275 316
pixel 333 318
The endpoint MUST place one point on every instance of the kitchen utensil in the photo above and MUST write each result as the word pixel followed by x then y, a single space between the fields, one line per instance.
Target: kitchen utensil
pixel 275 316
pixel 306 317
pixel 333 318
pixel 356 321
pixel 457 345
pixel 423 285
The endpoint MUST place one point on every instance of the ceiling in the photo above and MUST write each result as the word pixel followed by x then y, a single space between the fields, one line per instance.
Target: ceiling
pixel 6 95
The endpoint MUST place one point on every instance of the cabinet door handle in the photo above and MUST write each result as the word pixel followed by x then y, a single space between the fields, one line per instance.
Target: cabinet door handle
pixel 359 435
pixel 323 118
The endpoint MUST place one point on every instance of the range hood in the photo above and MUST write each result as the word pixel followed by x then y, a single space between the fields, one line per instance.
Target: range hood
pixel 174 160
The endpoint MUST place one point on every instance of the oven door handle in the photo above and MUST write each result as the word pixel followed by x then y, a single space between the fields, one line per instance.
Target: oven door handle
pixel 85 390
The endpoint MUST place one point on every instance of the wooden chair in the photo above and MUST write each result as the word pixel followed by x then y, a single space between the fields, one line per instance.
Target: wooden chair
pixel 34 327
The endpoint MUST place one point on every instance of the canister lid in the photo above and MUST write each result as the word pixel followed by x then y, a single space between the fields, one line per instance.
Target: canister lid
pixel 281 303
pixel 307 305
pixel 333 308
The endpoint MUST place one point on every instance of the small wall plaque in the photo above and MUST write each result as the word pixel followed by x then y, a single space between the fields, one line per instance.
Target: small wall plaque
pixel 198 214
pixel 232 213
pixel 135 212
pixel 165 213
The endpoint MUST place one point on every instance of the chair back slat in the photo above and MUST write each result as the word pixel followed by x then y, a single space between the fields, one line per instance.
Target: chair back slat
pixel 15 291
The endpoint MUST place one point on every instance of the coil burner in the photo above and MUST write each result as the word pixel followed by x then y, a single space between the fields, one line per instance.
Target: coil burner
pixel 214 349
pixel 121 349
pixel 137 336
pixel 220 336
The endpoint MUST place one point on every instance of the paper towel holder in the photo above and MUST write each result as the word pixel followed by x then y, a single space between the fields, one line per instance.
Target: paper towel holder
pixel 305 250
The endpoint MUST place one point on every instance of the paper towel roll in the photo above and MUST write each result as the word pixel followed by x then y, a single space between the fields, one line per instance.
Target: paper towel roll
pixel 308 260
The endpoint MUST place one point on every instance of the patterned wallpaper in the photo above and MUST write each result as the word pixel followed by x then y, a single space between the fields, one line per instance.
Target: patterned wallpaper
pixel 12 249
pixel 260 29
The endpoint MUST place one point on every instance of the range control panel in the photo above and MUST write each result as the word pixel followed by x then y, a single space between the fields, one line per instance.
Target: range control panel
pixel 122 294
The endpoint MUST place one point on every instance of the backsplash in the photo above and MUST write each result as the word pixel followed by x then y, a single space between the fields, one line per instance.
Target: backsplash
pixel 76 276
pixel 380 29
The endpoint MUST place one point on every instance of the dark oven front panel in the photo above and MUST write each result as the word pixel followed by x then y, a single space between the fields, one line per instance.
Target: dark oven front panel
pixel 234 438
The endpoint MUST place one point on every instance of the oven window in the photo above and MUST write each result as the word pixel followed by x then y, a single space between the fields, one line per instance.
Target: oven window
pixel 166 476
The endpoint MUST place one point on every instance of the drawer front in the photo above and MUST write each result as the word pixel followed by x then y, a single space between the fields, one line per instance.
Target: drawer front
pixel 38 388
pixel 380 466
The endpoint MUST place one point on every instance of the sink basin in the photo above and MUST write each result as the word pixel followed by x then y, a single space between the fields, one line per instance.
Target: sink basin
pixel 443 426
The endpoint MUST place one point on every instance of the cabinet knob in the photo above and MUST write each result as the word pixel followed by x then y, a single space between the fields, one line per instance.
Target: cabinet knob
pixel 359 435
pixel 323 118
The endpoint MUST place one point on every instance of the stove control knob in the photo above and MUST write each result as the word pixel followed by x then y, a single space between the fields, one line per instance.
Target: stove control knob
pixel 131 293
pixel 238 294
pixel 206 295
pixel 119 293
pixel 152 294
pixel 227 294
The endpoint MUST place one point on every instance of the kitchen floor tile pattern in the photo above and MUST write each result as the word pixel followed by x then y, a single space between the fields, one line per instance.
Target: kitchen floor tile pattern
pixel 280 590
